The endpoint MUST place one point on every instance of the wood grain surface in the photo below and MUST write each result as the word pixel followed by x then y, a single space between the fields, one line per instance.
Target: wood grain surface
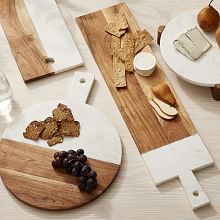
pixel 27 172
pixel 148 130
pixel 23 40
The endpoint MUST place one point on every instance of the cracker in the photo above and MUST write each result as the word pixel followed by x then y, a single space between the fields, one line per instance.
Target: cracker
pixel 142 39
pixel 118 25
pixel 56 139
pixel 120 20
pixel 127 51
pixel 51 128
pixel 70 128
pixel 62 113
pixel 119 72
pixel 115 44
pixel 33 130
pixel 113 29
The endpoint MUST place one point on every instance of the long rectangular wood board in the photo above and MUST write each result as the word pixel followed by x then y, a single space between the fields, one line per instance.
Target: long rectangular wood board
pixel 36 31
pixel 148 130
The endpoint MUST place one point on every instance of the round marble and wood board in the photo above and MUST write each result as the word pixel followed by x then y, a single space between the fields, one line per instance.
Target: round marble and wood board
pixel 25 165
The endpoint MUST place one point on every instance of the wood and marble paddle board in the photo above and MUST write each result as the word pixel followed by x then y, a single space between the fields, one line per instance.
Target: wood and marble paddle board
pixel 159 141
pixel 38 37
pixel 25 165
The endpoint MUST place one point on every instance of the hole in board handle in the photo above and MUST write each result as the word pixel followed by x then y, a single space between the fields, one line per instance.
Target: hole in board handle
pixel 82 80
pixel 196 193
pixel 49 60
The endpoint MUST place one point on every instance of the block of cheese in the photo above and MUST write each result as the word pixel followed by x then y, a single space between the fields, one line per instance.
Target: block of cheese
pixel 192 44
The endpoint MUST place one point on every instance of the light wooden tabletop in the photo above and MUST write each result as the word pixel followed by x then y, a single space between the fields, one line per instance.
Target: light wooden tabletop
pixel 133 194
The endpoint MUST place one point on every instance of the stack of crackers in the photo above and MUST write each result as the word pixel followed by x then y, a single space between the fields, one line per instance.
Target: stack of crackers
pixel 53 129
pixel 125 46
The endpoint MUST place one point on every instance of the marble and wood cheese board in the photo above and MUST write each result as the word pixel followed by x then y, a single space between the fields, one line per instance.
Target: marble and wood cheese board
pixel 202 72
pixel 159 141
pixel 38 37
pixel 25 165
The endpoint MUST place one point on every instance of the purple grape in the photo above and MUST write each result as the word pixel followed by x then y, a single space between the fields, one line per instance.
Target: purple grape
pixel 80 152
pixel 82 187
pixel 63 154
pixel 71 152
pixel 54 164
pixel 75 172
pixel 56 154
pixel 88 189
pixel 92 174
pixel 77 165
pixel 71 156
pixel 65 162
pixel 59 161
pixel 85 170
pixel 91 182
pixel 82 158
pixel 68 169
pixel 82 179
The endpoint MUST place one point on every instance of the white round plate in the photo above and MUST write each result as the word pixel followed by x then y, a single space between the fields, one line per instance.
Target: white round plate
pixel 203 72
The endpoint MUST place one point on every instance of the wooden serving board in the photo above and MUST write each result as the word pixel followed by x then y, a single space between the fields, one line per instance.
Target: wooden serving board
pixel 148 130
pixel 25 165
pixel 27 173
pixel 38 37
pixel 170 149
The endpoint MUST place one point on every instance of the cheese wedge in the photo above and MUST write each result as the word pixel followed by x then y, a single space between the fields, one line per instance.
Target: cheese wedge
pixel 192 44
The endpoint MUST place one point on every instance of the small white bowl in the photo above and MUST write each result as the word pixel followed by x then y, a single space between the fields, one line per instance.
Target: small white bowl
pixel 144 63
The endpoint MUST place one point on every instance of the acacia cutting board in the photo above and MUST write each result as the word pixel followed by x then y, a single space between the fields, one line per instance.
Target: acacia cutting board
pixel 38 37
pixel 148 130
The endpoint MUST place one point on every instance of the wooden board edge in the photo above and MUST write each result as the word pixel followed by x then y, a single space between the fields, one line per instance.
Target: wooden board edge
pixel 13 179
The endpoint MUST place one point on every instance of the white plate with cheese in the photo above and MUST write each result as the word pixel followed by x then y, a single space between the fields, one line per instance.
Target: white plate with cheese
pixel 205 71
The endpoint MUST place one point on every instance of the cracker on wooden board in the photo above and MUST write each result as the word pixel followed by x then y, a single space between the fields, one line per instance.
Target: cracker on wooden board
pixel 142 39
pixel 118 65
pixel 118 25
pixel 119 72
pixel 115 44
pixel 113 29
pixel 127 51
pixel 120 20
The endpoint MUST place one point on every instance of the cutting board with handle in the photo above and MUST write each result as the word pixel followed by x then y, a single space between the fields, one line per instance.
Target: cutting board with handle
pixel 25 165
pixel 170 149
pixel 38 37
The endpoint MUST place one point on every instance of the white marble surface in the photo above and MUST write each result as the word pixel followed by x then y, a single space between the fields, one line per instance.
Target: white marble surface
pixel 178 159
pixel 98 137
pixel 205 70
pixel 133 194
pixel 54 34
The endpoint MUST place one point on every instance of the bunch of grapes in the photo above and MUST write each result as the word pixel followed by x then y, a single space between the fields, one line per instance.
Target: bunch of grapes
pixel 74 162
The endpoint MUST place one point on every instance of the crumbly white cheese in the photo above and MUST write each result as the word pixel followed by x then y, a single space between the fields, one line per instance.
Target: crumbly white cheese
pixel 192 44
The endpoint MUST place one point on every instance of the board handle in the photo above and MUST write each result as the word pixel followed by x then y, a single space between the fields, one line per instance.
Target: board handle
pixel 194 192
pixel 81 87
